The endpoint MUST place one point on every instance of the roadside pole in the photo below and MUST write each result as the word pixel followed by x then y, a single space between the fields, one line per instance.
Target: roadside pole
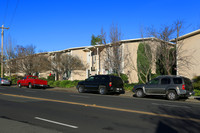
pixel 2 33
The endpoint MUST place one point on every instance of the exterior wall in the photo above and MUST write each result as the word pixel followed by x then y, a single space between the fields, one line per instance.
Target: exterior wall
pixel 80 74
pixel 130 61
pixel 191 48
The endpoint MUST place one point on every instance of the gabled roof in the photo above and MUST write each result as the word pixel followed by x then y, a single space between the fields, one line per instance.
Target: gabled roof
pixel 187 35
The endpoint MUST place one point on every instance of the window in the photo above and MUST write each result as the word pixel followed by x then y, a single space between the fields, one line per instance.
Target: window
pixel 90 79
pixel 165 81
pixel 154 81
pixel 177 80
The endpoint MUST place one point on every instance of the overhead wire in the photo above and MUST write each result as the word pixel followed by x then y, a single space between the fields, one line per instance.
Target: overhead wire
pixel 6 10
pixel 13 15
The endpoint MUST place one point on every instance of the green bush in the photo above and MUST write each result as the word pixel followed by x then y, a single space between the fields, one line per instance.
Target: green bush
pixel 50 83
pixel 196 82
pixel 197 92
pixel 129 86
pixel 51 78
pixel 64 83
pixel 56 84
pixel 43 79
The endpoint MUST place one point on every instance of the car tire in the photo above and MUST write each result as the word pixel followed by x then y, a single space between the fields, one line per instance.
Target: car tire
pixel 139 93
pixel 102 90
pixel 30 85
pixel 171 95
pixel 19 85
pixel 81 89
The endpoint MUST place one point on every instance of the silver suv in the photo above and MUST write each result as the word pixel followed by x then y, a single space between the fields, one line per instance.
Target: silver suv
pixel 167 85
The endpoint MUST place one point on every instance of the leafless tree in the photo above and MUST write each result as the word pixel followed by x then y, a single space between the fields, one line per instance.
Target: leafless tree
pixel 183 60
pixel 25 59
pixel 113 51
pixel 169 54
pixel 63 63
pixel 10 63
pixel 166 57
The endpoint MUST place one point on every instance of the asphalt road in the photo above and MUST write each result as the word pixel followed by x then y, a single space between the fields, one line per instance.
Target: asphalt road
pixel 24 110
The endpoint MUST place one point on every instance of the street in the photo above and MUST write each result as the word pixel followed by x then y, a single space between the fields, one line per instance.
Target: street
pixel 35 110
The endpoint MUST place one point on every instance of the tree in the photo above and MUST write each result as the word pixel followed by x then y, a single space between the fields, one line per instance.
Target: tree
pixel 113 51
pixel 165 53
pixel 96 40
pixel 25 59
pixel 65 64
pixel 144 62
pixel 10 55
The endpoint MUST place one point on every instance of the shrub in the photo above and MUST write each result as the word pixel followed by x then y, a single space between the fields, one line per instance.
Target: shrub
pixel 56 83
pixel 129 86
pixel 124 77
pixel 51 78
pixel 197 92
pixel 196 82
pixel 64 83
pixel 50 83
pixel 42 78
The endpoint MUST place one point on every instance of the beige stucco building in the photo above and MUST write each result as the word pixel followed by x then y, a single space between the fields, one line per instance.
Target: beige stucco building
pixel 188 56
pixel 94 58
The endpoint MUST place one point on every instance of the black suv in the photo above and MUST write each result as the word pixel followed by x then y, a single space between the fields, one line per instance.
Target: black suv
pixel 170 86
pixel 103 84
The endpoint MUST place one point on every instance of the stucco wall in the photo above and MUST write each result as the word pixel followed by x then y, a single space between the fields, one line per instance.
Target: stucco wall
pixel 130 61
pixel 191 50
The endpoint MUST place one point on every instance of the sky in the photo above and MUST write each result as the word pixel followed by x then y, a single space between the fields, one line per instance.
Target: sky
pixel 52 25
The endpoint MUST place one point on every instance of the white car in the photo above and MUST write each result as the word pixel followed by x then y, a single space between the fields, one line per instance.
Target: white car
pixel 5 81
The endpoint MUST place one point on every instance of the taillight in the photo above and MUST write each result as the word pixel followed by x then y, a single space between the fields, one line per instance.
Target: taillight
pixel 183 87
pixel 110 84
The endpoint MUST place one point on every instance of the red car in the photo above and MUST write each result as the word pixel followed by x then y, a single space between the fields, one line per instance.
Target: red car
pixel 32 81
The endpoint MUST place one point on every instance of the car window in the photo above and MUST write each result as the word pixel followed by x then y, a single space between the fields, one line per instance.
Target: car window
pixel 177 80
pixel 90 78
pixel 165 81
pixel 104 78
pixel 154 81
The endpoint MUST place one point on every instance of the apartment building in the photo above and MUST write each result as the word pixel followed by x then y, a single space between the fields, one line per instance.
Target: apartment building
pixel 188 56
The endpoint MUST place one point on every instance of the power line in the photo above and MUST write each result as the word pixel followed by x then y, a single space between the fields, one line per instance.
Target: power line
pixel 5 15
pixel 12 18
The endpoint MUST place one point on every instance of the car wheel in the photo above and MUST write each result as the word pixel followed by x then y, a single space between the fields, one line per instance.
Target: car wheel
pixel 81 89
pixel 102 90
pixel 19 85
pixel 29 85
pixel 171 95
pixel 139 93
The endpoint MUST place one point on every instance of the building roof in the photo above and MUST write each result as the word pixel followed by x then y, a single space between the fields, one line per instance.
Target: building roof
pixel 187 35
pixel 122 41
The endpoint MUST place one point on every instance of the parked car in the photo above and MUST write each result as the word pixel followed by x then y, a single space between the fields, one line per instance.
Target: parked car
pixel 32 81
pixel 5 81
pixel 103 84
pixel 172 87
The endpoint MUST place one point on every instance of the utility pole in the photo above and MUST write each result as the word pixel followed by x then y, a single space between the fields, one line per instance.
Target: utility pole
pixel 2 49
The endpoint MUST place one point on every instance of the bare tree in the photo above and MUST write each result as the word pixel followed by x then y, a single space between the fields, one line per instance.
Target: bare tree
pixel 166 57
pixel 183 60
pixel 65 64
pixel 25 59
pixel 10 63
pixel 113 51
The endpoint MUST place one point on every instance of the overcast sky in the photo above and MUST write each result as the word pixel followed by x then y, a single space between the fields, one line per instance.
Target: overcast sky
pixel 53 25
